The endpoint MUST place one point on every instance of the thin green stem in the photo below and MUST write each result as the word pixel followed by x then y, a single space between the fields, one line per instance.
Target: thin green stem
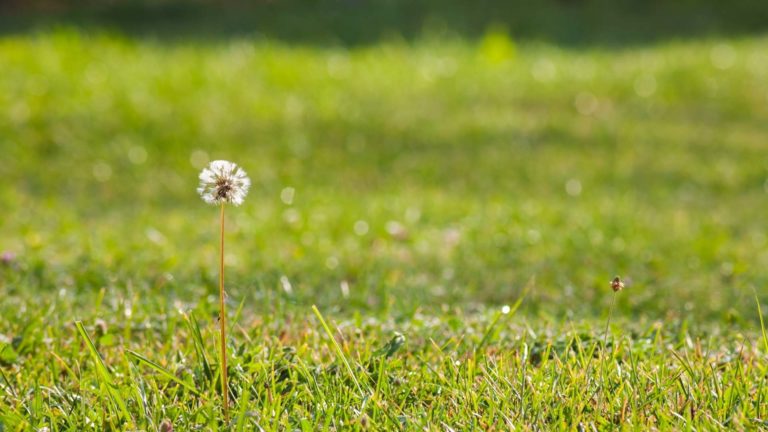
pixel 223 326
pixel 605 350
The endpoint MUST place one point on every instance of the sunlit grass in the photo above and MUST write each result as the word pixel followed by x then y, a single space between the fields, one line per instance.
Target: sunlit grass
pixel 409 187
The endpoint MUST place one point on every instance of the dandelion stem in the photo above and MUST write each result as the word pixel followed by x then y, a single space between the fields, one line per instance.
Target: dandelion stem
pixel 223 326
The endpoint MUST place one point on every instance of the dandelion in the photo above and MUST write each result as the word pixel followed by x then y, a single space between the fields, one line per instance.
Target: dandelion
pixel 221 183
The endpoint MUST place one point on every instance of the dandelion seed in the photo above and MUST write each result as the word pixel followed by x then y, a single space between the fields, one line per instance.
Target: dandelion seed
pixel 223 182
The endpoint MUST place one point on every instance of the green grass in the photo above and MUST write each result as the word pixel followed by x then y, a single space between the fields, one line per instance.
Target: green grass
pixel 410 190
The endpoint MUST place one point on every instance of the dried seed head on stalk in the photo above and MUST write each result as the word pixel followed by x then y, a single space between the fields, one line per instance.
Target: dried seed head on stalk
pixel 223 182
pixel 617 284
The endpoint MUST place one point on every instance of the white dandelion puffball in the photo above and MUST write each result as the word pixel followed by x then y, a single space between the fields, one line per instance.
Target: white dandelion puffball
pixel 223 182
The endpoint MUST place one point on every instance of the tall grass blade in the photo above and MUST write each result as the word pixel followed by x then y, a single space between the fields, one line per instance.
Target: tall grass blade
pixel 337 347
pixel 197 339
pixel 104 374
pixel 163 371
pixel 762 324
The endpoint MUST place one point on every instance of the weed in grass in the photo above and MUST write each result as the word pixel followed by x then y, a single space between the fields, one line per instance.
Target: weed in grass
pixel 616 286
pixel 223 182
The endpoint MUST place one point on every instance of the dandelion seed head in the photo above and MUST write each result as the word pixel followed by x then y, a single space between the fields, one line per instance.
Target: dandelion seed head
pixel 223 182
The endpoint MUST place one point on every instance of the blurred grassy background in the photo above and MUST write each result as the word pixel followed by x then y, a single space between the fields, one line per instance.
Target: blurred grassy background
pixel 614 23
pixel 404 155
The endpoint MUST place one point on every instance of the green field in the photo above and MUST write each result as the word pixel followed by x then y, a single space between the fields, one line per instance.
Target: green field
pixel 406 186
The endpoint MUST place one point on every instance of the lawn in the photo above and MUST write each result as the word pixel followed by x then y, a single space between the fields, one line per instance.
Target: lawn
pixel 455 206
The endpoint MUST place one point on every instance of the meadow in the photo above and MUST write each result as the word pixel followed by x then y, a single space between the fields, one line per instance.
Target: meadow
pixel 454 206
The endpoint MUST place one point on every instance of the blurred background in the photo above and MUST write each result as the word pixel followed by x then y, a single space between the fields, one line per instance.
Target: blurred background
pixel 573 23
pixel 405 155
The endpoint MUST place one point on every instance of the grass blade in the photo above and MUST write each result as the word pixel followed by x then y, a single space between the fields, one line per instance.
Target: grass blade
pixel 242 412
pixel 104 374
pixel 197 339
pixel 337 347
pixel 506 312
pixel 163 371
pixel 762 324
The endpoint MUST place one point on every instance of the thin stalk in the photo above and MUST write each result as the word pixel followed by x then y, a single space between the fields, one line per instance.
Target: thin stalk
pixel 223 326
pixel 605 348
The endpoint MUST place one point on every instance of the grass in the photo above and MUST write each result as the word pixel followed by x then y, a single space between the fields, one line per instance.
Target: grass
pixel 410 190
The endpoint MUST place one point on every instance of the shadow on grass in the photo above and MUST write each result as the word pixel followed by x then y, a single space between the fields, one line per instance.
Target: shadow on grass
pixel 575 23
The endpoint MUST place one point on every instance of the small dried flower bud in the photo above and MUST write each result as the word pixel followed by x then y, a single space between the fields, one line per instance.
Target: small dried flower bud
pixel 166 426
pixel 100 327
pixel 616 284
pixel 364 422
